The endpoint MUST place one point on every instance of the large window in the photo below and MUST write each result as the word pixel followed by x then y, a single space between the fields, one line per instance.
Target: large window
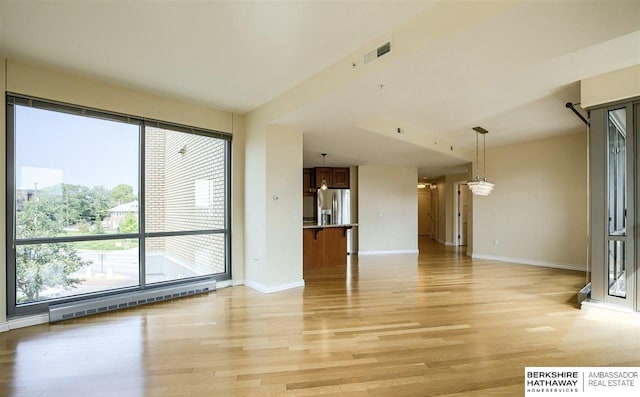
pixel 100 203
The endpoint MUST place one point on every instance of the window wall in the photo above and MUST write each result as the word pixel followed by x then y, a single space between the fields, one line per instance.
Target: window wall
pixel 100 203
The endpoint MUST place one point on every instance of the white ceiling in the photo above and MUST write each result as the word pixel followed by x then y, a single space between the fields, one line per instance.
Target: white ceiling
pixel 510 72
pixel 235 55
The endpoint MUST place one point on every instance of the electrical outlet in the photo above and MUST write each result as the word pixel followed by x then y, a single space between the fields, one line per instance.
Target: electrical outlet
pixel 495 242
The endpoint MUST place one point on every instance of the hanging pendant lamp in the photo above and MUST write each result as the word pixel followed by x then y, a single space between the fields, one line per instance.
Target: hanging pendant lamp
pixel 480 187
pixel 324 181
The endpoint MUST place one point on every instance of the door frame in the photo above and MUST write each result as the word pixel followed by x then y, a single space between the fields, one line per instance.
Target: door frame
pixel 434 213
pixel 456 218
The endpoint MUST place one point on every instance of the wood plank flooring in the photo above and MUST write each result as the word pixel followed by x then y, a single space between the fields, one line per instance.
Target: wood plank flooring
pixel 439 324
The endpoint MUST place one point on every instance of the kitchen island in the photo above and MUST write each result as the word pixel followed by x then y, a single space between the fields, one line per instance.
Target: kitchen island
pixel 324 245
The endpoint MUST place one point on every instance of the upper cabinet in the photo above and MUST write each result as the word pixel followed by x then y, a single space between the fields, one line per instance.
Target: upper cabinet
pixel 340 178
pixel 335 177
pixel 308 182
pixel 323 174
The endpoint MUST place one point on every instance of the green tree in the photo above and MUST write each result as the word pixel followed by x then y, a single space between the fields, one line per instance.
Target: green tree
pixel 50 265
pixel 129 224
pixel 101 200
pixel 83 227
pixel 122 194
pixel 97 227
pixel 77 202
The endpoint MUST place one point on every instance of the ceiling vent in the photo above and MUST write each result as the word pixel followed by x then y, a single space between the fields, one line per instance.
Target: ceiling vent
pixel 376 53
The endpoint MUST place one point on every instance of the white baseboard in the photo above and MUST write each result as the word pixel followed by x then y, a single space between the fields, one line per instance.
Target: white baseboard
pixel 276 288
pixel 602 308
pixel 24 321
pixel 224 284
pixel 590 305
pixel 229 283
pixel 532 262
pixel 237 282
pixel 391 252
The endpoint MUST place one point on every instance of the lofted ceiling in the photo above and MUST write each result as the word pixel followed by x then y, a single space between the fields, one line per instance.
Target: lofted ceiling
pixel 507 66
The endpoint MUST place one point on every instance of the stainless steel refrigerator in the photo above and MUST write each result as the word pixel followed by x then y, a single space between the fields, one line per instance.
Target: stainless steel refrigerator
pixel 334 207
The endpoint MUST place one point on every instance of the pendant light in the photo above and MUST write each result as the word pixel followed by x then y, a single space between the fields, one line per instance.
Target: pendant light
pixel 480 187
pixel 324 181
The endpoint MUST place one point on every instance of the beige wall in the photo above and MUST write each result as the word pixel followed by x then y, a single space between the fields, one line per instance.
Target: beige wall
pixel 387 209
pixel 237 196
pixel 284 214
pixel 451 192
pixel 446 192
pixel 536 213
pixel 62 86
pixel 609 87
pixel 255 200
pixel 273 226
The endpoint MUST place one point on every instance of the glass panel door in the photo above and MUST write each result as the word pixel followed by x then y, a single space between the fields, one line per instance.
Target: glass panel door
pixel 619 172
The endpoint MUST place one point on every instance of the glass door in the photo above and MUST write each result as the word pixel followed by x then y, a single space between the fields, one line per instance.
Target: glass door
pixel 619 254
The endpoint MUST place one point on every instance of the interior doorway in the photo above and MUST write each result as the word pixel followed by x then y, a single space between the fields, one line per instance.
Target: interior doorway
pixel 424 211
pixel 433 219
pixel 461 211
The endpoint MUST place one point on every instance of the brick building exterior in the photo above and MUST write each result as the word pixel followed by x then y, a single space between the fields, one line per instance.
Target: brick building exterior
pixel 185 191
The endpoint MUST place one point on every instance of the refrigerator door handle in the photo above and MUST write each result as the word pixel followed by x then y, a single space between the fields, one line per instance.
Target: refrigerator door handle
pixel 334 212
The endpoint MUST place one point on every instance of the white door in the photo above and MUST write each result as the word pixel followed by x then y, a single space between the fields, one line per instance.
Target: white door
pixel 463 214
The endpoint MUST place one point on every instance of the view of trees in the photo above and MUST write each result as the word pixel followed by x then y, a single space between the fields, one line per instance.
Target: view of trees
pixel 129 224
pixel 41 266
pixel 47 214
pixel 79 206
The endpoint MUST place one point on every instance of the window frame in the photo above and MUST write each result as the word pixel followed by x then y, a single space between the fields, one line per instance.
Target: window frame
pixel 13 99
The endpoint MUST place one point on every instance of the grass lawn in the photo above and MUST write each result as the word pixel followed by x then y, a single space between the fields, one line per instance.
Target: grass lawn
pixel 107 245
pixel 102 245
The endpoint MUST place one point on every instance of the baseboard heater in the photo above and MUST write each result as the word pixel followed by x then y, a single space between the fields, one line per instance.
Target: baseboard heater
pixel 88 307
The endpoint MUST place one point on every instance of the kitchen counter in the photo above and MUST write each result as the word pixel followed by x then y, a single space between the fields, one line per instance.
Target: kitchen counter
pixel 316 226
pixel 324 245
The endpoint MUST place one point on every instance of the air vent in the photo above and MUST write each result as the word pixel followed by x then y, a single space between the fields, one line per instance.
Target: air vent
pixel 87 307
pixel 377 52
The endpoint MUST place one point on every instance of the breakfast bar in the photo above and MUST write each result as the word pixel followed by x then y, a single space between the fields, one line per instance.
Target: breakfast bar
pixel 324 245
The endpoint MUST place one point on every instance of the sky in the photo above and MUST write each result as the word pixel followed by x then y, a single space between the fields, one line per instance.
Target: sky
pixel 53 147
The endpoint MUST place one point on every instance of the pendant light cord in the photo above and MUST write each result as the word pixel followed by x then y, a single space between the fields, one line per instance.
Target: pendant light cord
pixel 477 159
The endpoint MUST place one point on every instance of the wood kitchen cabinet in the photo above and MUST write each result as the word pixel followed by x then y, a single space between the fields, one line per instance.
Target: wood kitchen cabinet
pixel 336 177
pixel 323 174
pixel 324 247
pixel 340 178
pixel 308 182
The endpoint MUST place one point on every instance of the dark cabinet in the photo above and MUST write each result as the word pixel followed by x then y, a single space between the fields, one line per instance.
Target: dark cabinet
pixel 323 174
pixel 340 178
pixel 335 177
pixel 308 185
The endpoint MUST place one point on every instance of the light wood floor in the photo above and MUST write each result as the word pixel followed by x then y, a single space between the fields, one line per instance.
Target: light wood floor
pixel 437 325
